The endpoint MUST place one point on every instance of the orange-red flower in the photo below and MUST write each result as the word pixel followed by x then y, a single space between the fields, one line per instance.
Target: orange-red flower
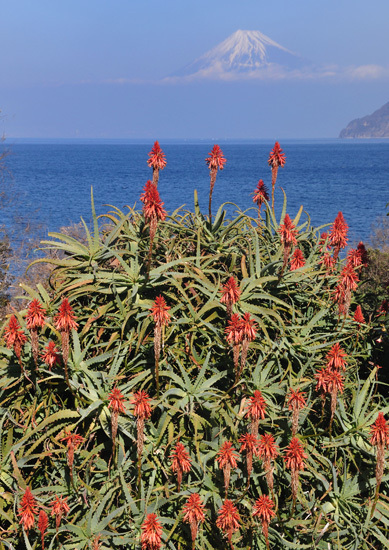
pixel 363 254
pixel 142 407
pixel 264 510
pixel 50 355
pixel 230 294
pixel 59 508
pixel 248 328
pixel 116 399
pixel 348 278
pixel 157 157
pixel 228 519
pixel 73 441
pixel 65 318
pixel 296 402
pixel 27 510
pixel 35 317
pixel 358 316
pixel 338 234
pixel 142 411
pixel 256 411
pixel 194 514
pixel 297 260
pixel 276 157
pixel 15 337
pixel 268 451
pixel 336 358
pixel 327 261
pixel 380 432
pixel 152 533
pixel 227 459
pixel 216 160
pixel 43 523
pixel 260 194
pixel 288 232
pixel 249 444
pixel 152 205
pixel 180 462
pixel 234 329
pixel 294 460
pixel 159 311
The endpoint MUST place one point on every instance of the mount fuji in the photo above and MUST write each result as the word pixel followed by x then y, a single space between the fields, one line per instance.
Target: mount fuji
pixel 245 54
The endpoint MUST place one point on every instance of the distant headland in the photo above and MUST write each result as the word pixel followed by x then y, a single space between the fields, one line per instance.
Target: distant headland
pixel 375 125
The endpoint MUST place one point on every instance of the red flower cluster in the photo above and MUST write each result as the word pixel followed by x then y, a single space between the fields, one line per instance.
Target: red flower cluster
pixel 43 523
pixel 229 519
pixel 50 355
pixel 227 459
pixel 358 316
pixel 264 510
pixel 230 294
pixel 152 533
pixel 268 451
pixel 288 232
pixel 338 234
pixel 35 317
pixel 249 445
pixel 65 318
pixel 116 399
pixel 152 205
pixel 256 411
pixel 142 411
pixel 294 460
pixel 157 158
pixel 297 260
pixel 59 508
pixel 194 514
pixel 240 331
pixel 380 439
pixel 296 402
pixel 15 337
pixel 159 311
pixel 329 379
pixel 180 462
pixel 260 194
pixel 216 160
pixel 276 157
pixel 27 510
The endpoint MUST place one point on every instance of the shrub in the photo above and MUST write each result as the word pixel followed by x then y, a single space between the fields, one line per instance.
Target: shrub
pixel 202 357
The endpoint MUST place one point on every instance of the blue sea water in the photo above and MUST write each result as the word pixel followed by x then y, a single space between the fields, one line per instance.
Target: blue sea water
pixel 50 182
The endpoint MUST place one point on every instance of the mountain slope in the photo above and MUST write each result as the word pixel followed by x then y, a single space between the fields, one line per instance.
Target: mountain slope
pixel 244 53
pixel 375 125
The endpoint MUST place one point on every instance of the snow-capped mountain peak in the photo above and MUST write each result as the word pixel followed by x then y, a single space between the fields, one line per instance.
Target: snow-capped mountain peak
pixel 243 52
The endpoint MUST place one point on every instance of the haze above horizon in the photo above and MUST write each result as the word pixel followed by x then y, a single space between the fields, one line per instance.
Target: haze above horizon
pixel 116 70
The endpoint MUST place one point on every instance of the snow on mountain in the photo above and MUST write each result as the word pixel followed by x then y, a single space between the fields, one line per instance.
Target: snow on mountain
pixel 245 54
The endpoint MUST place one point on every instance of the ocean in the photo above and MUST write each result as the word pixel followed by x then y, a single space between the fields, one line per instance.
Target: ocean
pixel 47 184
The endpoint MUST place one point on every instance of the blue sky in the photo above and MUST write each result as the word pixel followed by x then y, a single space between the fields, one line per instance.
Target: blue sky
pixel 93 68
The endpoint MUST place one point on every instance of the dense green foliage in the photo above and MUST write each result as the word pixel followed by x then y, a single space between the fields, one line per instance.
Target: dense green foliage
pixel 201 400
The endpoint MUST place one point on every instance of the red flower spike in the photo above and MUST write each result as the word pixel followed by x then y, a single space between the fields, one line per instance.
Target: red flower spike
pixel 248 328
pixel 264 510
pixel 194 514
pixel 228 519
pixel 50 355
pixel 380 439
pixel 288 232
pixel 328 262
pixel 354 258
pixel 338 234
pixel 116 399
pixel 216 160
pixel 268 451
pixel 151 533
pixel 380 432
pixel 297 260
pixel 65 318
pixel 336 358
pixel 230 294
pixel 27 510
pixel 157 161
pixel 180 462
pixel 259 196
pixel 153 206
pixel 256 411
pixel 276 159
pixel 159 311
pixel 294 460
pixel 358 316
pixel 296 402
pixel 116 405
pixel 59 508
pixel 142 411
pixel 73 441
pixel 43 523
pixel 15 337
pixel 35 317
pixel 227 459
pixel 234 330
pixel 249 444
pixel 348 278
